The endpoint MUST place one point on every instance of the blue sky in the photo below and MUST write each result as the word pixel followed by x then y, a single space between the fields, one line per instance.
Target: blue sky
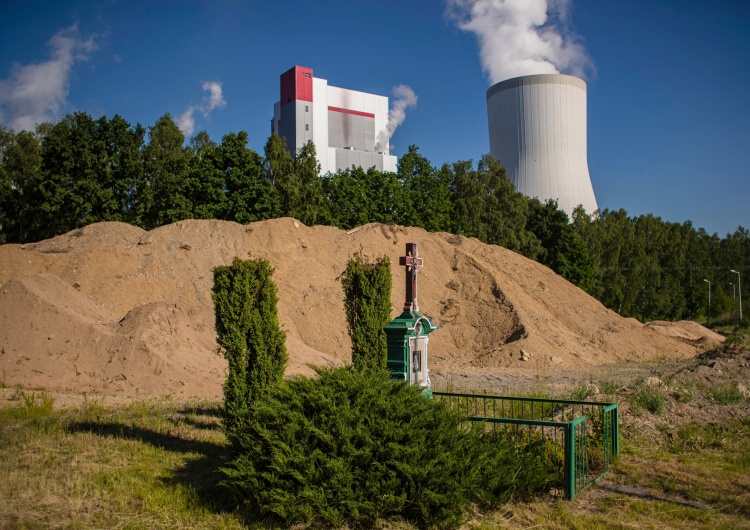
pixel 668 80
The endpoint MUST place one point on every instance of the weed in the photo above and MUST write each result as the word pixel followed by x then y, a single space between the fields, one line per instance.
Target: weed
pixel 32 406
pixel 735 339
pixel 685 393
pixel 581 391
pixel 651 398
pixel 725 394
pixel 609 386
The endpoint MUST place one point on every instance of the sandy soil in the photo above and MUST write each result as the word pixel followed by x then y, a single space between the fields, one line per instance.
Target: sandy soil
pixel 114 310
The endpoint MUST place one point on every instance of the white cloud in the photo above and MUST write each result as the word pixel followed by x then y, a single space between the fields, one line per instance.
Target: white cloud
pixel 35 93
pixel 521 37
pixel 214 100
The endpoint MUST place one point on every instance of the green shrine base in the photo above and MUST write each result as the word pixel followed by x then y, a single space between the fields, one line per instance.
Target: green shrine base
pixel 398 332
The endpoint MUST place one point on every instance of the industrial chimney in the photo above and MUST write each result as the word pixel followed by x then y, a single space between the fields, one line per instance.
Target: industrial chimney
pixel 537 126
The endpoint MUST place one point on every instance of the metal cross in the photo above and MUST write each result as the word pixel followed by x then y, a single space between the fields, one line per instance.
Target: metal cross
pixel 412 262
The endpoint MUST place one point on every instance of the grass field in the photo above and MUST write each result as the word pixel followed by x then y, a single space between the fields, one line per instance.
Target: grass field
pixel 154 465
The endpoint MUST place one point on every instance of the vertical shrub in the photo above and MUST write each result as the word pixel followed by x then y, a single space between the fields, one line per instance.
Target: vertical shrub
pixel 247 325
pixel 367 303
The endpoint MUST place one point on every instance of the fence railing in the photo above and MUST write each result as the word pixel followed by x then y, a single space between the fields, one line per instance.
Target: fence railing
pixel 577 440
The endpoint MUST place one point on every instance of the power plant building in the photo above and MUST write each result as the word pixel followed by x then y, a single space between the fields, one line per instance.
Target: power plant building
pixel 537 127
pixel 343 124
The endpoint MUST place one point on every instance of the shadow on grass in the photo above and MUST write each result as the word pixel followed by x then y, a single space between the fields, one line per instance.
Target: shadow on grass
pixel 215 412
pixel 199 474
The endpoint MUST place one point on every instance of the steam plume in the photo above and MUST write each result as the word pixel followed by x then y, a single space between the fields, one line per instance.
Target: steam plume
pixel 214 99
pixel 35 93
pixel 404 99
pixel 521 37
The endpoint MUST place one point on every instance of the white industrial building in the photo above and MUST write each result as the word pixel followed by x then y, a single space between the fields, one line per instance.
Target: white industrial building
pixel 343 124
pixel 537 126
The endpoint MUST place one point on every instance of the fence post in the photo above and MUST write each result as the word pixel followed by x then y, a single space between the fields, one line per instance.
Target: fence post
pixel 570 461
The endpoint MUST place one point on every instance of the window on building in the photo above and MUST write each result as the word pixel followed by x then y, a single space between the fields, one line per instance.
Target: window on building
pixel 307 108
pixel 307 74
pixel 307 127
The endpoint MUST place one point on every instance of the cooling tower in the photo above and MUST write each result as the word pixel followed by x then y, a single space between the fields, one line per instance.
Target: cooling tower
pixel 537 127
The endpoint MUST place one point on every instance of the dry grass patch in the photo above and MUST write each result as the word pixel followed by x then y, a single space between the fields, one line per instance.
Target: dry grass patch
pixel 147 465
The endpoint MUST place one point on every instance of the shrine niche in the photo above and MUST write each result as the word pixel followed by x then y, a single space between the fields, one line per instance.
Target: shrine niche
pixel 408 334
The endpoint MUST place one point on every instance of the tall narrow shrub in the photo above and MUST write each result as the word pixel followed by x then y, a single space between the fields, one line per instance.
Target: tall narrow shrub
pixel 367 302
pixel 247 325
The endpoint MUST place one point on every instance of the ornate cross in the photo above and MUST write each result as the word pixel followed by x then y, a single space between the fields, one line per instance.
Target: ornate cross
pixel 412 263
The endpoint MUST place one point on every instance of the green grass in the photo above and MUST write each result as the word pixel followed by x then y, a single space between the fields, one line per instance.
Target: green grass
pixel 582 391
pixel 725 394
pixel 701 476
pixel 153 465
pixel 709 464
pixel 147 465
pixel 650 398
pixel 31 405
pixel 610 387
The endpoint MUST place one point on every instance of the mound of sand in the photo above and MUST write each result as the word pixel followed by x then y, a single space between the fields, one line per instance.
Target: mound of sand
pixel 686 330
pixel 112 308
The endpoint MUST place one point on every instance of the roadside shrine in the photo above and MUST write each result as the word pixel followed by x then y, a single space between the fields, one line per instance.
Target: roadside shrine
pixel 578 439
pixel 408 334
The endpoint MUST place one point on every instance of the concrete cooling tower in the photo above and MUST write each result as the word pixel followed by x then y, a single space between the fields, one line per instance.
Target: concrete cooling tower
pixel 537 127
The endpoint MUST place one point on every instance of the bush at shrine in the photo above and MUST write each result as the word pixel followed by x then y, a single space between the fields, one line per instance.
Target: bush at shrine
pixel 351 447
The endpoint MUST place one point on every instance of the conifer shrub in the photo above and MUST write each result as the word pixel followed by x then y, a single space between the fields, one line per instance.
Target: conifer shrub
pixel 367 303
pixel 247 325
pixel 352 447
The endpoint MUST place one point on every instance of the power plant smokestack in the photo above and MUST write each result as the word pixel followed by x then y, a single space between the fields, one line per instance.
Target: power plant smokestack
pixel 537 126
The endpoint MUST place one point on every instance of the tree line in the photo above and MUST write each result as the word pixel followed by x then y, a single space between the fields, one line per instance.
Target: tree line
pixel 82 170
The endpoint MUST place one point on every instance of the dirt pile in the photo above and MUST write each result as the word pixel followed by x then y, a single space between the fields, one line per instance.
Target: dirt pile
pixel 112 308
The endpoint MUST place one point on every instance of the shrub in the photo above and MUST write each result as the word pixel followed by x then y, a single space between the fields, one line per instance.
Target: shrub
pixel 247 325
pixel 651 398
pixel 354 446
pixel 726 394
pixel 609 386
pixel 367 303
pixel 582 391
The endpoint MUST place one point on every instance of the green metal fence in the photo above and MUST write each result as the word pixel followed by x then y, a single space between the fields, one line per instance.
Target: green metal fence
pixel 577 440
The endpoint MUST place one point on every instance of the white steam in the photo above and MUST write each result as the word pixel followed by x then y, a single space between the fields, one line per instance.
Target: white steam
pixel 36 93
pixel 214 100
pixel 404 98
pixel 521 37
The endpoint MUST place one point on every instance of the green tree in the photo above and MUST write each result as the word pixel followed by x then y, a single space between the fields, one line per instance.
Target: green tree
pixel 346 198
pixel 385 197
pixel 488 207
pixel 426 194
pixel 122 169
pixel 562 249
pixel 367 304
pixel 247 326
pixel 163 196
pixel 200 141
pixel 205 185
pixel 20 177
pixel 250 195
pixel 354 197
pixel 279 168
pixel 70 191
pixel 309 199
